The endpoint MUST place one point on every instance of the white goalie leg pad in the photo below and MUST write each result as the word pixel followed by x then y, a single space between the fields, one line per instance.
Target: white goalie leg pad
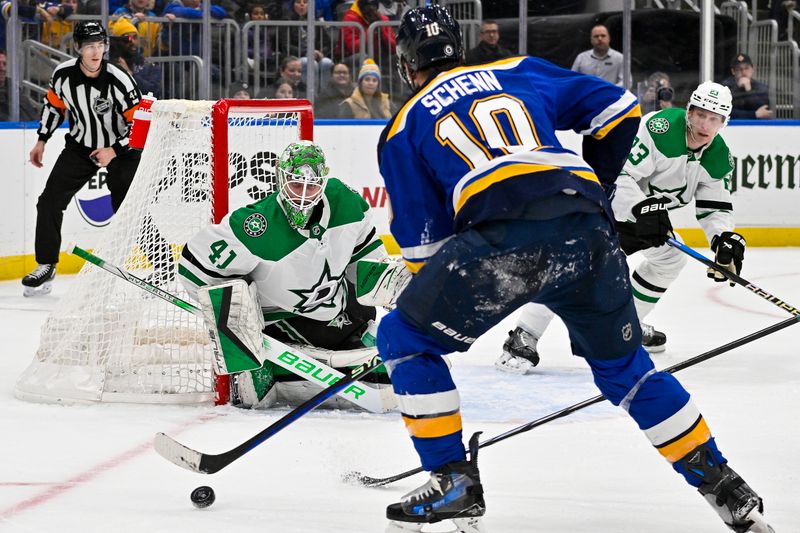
pixel 234 321
pixel 380 281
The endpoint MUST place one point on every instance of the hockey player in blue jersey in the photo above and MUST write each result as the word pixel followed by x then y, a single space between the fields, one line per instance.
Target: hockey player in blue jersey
pixel 490 212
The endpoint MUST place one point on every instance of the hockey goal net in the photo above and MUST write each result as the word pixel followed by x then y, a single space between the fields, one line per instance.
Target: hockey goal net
pixel 107 340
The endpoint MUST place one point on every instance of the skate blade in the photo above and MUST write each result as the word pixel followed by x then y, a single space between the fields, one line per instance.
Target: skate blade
pixel 456 525
pixel 759 525
pixel 41 290
pixel 655 349
pixel 515 365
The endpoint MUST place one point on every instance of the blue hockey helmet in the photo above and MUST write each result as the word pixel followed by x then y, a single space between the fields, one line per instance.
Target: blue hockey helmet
pixel 427 36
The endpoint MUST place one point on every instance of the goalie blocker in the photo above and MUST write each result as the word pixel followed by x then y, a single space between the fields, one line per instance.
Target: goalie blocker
pixel 263 374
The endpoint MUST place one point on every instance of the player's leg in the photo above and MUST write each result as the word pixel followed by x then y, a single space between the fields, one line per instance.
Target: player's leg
pixel 657 402
pixel 476 279
pixel 520 353
pixel 666 414
pixel 121 171
pixel 72 170
pixel 650 280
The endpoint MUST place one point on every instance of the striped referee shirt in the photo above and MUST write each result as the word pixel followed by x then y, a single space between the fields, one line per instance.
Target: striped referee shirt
pixel 100 109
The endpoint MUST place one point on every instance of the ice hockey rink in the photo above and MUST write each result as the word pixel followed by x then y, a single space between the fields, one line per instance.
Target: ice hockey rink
pixel 93 469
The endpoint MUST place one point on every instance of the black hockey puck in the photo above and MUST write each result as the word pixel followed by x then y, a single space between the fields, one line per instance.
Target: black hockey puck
pixel 203 497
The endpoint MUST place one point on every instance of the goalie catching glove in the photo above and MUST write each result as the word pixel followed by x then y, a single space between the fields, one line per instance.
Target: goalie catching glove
pixel 729 249
pixel 379 282
pixel 651 228
pixel 234 322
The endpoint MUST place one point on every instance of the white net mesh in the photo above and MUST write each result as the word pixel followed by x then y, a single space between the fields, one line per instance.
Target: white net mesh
pixel 107 340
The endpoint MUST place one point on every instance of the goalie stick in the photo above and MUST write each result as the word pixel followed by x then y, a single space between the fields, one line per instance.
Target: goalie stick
pixel 733 277
pixel 368 481
pixel 206 463
pixel 276 352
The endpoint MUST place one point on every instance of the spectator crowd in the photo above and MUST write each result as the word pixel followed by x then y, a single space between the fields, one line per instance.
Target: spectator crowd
pixel 353 80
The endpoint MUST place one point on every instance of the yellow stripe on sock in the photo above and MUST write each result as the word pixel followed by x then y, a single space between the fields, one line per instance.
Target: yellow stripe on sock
pixel 675 450
pixel 439 426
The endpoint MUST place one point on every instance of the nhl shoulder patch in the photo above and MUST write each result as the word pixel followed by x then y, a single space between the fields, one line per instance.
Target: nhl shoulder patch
pixel 255 225
pixel 658 125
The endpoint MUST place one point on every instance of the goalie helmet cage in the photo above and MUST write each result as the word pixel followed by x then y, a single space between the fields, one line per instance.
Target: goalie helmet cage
pixel 109 341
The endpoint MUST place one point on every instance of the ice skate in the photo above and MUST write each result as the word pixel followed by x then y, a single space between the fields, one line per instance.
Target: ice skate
pixel 653 340
pixel 734 501
pixel 519 353
pixel 454 492
pixel 40 281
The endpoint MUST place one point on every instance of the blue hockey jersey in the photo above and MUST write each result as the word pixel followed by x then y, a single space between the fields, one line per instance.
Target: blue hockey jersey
pixel 474 142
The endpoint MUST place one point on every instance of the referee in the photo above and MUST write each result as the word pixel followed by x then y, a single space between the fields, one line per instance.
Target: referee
pixel 101 100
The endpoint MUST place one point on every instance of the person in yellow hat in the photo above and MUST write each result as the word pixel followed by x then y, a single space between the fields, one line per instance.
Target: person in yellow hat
pixel 137 12
pixel 125 52
pixel 367 100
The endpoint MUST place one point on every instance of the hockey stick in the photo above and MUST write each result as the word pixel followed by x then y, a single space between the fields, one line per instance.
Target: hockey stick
pixel 204 463
pixel 734 277
pixel 276 352
pixel 368 481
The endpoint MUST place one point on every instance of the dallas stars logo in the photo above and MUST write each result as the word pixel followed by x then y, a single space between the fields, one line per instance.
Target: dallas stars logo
pixel 674 195
pixel 658 125
pixel 322 294
pixel 255 225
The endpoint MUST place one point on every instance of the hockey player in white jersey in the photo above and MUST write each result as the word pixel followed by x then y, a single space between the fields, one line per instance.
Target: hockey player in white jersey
pixel 677 156
pixel 298 248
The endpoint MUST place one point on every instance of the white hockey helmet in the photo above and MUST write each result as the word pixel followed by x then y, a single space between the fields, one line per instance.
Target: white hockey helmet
pixel 712 97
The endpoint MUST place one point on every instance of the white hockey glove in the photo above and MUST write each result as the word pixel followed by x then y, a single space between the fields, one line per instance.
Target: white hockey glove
pixel 234 321
pixel 379 282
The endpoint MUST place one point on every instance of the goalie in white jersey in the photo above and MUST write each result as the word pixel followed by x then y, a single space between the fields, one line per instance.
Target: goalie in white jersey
pixel 676 156
pixel 299 249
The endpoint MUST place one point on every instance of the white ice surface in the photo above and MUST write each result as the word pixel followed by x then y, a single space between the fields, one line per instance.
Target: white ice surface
pixel 93 469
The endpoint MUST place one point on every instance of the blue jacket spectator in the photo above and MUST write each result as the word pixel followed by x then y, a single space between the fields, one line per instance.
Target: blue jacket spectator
pixel 184 39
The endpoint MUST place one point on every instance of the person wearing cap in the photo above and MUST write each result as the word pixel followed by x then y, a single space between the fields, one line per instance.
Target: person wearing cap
pixel 750 96
pixel 367 101
pixel 125 52
pixel 140 13
pixel 488 49
pixel 240 91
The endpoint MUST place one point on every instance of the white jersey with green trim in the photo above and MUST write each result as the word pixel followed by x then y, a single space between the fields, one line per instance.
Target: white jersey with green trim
pixel 297 272
pixel 661 164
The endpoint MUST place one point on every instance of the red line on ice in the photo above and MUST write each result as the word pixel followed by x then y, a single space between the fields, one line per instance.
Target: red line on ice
pixel 715 295
pixel 59 488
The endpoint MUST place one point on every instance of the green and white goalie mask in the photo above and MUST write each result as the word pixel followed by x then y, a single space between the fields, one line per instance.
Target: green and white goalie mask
pixel 302 174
